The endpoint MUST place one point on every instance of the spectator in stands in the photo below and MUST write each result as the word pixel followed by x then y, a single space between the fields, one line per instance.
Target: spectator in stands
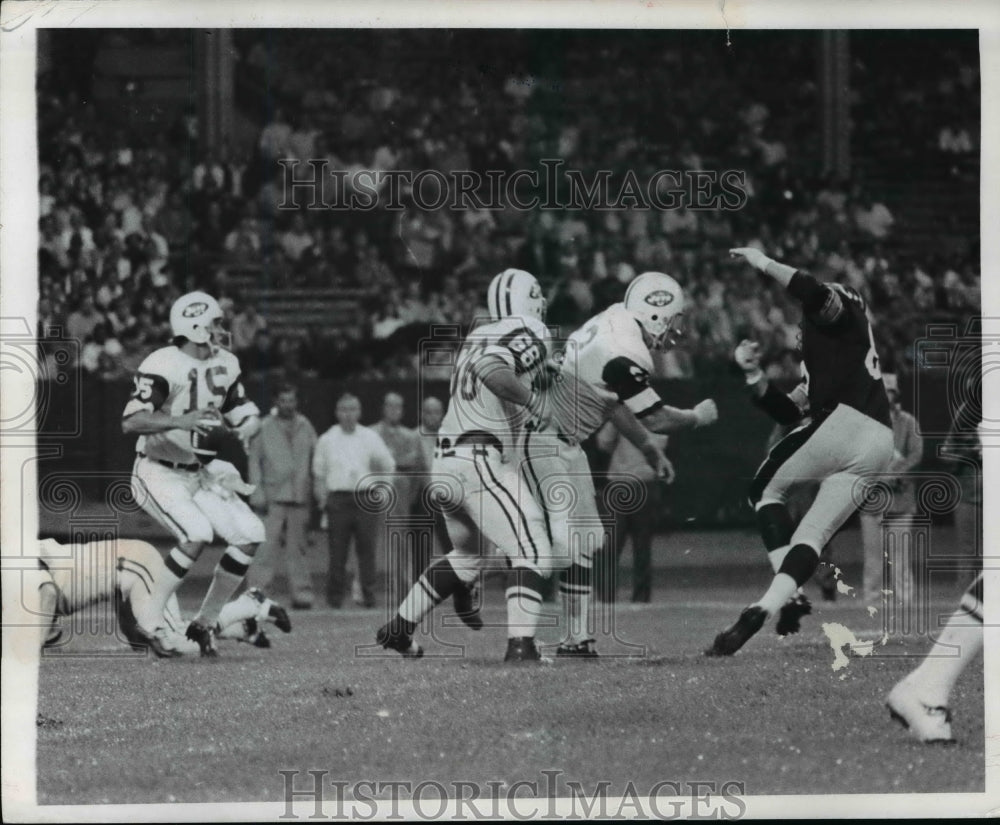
pixel 243 243
pixel 245 326
pixel 280 458
pixel 82 321
pixel 275 137
pixel 302 141
pixel 296 239
pixel 871 217
pixel 346 458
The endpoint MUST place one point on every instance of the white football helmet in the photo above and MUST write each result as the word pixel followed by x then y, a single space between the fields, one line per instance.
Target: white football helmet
pixel 197 316
pixel 656 301
pixel 517 293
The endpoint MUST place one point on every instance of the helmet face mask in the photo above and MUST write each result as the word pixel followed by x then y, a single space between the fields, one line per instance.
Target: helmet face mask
pixel 219 335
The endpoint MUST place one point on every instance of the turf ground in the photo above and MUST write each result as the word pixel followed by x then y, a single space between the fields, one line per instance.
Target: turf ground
pixel 777 716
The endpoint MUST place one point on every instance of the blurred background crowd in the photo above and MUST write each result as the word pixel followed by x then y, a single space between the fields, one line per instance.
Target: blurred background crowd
pixel 136 210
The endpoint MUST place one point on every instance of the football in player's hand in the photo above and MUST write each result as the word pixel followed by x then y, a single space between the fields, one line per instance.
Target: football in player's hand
pixel 206 445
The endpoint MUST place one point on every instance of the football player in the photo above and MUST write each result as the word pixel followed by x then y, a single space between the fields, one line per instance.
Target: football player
pixel 849 436
pixel 491 399
pixel 73 576
pixel 183 392
pixel 919 701
pixel 603 373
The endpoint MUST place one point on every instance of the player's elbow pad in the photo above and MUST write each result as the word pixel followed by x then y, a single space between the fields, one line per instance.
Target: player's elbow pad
pixel 779 406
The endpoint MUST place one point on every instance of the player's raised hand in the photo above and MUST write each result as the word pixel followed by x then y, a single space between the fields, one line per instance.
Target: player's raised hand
pixel 754 257
pixel 747 355
pixel 706 412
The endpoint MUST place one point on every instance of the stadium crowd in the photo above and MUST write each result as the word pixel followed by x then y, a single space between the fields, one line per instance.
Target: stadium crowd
pixel 129 221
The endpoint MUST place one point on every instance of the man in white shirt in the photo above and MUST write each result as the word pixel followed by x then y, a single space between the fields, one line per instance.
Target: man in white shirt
pixel 346 457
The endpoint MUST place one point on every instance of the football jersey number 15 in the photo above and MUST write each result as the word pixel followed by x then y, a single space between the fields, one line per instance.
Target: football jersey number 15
pixel 216 392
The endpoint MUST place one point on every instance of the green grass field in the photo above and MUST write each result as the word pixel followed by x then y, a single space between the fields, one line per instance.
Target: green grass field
pixel 776 717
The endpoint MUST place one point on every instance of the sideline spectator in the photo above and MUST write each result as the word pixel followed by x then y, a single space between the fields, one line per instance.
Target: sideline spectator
pixel 280 459
pixel 346 456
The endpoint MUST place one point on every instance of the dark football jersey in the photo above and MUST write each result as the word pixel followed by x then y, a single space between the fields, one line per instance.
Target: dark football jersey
pixel 840 362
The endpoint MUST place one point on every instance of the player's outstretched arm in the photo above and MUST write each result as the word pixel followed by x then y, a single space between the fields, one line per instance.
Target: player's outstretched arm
pixel 817 299
pixel 666 419
pixel 146 422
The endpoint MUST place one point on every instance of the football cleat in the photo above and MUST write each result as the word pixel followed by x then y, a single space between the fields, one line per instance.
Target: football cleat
pixel 392 637
pixel 270 610
pixel 466 602
pixel 254 634
pixel 790 614
pixel 277 614
pixel 522 650
pixel 587 649
pixel 926 722
pixel 204 637
pixel 732 639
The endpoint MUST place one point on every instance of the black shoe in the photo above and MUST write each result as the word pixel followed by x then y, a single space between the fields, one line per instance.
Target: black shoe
pixel 204 637
pixel 522 649
pixel 277 614
pixel 254 634
pixel 392 637
pixel 587 649
pixel 790 614
pixel 466 602
pixel 732 639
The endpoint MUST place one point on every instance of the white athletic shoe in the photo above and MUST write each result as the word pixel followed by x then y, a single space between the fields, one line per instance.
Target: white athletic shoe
pixel 926 722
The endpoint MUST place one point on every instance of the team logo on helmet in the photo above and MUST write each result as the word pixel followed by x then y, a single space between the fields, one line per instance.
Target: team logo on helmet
pixel 536 291
pixel 659 298
pixel 194 310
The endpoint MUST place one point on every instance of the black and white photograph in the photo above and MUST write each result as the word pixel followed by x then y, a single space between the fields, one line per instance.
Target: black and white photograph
pixel 498 411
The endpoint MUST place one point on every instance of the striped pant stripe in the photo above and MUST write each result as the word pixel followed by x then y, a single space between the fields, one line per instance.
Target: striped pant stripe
pixel 500 504
pixel 517 509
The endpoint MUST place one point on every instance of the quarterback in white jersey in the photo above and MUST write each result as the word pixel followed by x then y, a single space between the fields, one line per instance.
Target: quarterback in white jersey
pixel 604 373
pixel 183 394
pixel 492 400
pixel 71 577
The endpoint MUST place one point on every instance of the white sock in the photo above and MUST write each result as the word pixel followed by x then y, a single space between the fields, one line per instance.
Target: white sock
pixel 149 611
pixel 782 588
pixel 777 556
pixel 523 608
pixel 959 643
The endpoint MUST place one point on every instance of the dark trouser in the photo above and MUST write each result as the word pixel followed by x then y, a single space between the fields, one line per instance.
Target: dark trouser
pixel 344 519
pixel 639 526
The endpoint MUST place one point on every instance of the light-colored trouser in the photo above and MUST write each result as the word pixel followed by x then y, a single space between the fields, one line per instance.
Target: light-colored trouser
pixel 845 448
pixel 487 501
pixel 888 558
pixel 288 522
